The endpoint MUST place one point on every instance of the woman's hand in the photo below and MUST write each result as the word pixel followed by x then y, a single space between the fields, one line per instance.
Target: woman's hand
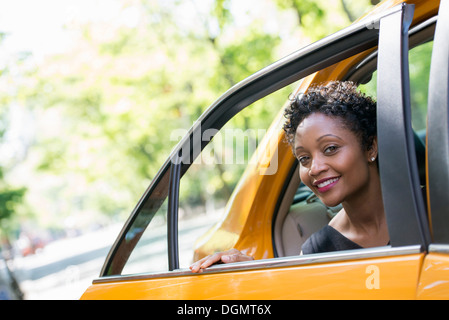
pixel 229 256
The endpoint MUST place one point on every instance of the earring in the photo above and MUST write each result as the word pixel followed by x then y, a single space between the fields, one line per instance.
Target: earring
pixel 372 159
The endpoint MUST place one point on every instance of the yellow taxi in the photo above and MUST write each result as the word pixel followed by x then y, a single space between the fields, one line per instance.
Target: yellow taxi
pixel 270 213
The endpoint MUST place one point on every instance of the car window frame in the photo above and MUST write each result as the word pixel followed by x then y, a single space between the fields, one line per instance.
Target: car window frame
pixel 337 47
pixel 172 214
pixel 438 135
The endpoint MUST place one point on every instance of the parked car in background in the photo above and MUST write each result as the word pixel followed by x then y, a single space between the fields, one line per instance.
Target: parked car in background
pixel 270 213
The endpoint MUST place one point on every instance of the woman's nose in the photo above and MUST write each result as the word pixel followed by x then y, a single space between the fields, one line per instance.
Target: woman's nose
pixel 317 166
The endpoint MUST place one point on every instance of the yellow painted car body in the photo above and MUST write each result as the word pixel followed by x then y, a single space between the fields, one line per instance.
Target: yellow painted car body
pixel 397 279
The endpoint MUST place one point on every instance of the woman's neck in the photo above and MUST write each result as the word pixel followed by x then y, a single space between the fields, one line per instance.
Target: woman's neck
pixel 362 218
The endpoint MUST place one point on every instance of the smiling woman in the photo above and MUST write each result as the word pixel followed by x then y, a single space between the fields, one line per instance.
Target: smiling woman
pixel 333 134
pixel 331 129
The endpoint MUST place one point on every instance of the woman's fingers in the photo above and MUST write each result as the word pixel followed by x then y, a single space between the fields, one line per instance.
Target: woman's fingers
pixel 205 262
pixel 229 256
pixel 236 257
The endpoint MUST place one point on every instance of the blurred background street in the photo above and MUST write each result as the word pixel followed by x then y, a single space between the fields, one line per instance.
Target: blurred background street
pixel 63 269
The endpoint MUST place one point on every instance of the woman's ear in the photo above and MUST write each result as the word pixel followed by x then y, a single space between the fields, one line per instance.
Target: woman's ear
pixel 372 151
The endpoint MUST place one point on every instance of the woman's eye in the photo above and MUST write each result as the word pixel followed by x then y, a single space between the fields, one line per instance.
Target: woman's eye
pixel 330 149
pixel 303 160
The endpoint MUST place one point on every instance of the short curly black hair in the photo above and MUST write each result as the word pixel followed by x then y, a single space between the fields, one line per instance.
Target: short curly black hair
pixel 340 99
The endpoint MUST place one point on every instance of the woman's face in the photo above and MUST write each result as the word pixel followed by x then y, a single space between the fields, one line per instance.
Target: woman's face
pixel 332 162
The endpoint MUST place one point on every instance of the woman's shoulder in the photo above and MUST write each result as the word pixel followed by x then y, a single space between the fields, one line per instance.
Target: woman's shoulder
pixel 318 242
pixel 327 239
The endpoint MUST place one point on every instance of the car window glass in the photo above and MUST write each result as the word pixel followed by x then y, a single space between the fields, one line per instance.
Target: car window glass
pixel 419 67
pixel 150 253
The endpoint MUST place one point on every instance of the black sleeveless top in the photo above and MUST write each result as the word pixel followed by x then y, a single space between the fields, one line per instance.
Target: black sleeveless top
pixel 328 239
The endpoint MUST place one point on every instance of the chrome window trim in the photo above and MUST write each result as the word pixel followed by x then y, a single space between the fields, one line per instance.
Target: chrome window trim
pixel 318 258
pixel 439 248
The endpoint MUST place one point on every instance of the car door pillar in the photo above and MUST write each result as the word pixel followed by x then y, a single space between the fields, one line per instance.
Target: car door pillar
pixel 401 191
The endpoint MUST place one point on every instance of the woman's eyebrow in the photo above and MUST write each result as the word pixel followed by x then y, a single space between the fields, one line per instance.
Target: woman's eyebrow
pixel 328 135
pixel 323 136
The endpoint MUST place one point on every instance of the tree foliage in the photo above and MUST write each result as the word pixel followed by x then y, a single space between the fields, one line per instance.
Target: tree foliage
pixel 105 110
pixel 10 196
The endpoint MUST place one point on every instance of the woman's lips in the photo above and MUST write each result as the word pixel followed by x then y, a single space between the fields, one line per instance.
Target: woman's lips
pixel 324 185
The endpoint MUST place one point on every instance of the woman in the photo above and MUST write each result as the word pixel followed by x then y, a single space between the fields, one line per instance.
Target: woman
pixel 332 131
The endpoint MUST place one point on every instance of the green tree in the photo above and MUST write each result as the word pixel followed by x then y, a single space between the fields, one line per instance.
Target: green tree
pixel 10 197
pixel 107 108
pixel 117 99
pixel 319 18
